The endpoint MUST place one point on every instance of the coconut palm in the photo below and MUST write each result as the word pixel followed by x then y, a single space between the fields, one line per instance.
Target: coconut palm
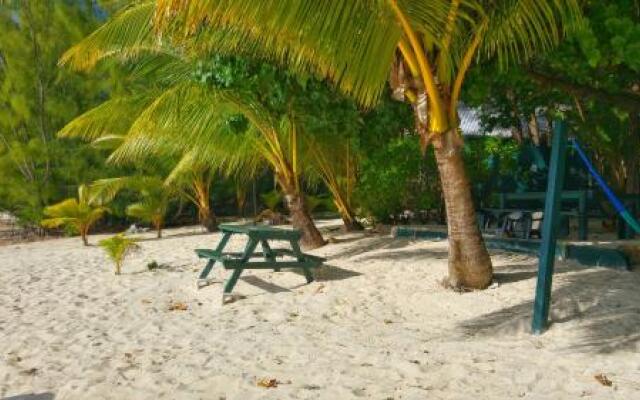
pixel 195 181
pixel 107 125
pixel 155 197
pixel 334 162
pixel 80 214
pixel 195 120
pixel 201 126
pixel 427 47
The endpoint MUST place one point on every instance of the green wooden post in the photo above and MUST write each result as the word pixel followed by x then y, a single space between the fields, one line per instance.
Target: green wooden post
pixel 550 227
pixel 583 222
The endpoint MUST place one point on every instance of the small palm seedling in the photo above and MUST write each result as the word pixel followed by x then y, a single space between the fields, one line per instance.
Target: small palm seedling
pixel 117 248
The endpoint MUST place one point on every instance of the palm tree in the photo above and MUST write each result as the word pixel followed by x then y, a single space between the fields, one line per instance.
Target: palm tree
pixel 108 124
pixel 428 45
pixel 80 214
pixel 334 162
pixel 195 118
pixel 155 197
pixel 196 182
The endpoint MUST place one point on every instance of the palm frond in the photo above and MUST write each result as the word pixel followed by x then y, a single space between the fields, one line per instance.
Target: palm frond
pixel 149 209
pixel 111 118
pixel 56 222
pixel 351 42
pixel 105 190
pixel 128 34
pixel 520 29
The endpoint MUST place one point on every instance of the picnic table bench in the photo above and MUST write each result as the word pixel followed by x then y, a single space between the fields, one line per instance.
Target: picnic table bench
pixel 257 234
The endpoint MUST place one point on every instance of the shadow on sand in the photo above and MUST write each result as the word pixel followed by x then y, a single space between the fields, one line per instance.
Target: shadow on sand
pixel 602 305
pixel 367 244
pixel 40 396
pixel 264 285
pixel 170 236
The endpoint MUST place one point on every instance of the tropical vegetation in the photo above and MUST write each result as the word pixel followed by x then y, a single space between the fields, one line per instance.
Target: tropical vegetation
pixel 428 48
pixel 354 100
pixel 77 214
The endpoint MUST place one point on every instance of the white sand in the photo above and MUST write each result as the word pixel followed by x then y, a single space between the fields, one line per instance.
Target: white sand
pixel 375 325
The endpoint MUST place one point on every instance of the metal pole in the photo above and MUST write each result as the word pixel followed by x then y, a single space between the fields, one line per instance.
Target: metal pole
pixel 550 227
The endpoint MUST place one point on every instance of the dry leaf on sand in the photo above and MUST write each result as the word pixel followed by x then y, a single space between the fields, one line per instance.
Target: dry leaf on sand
pixel 604 381
pixel 178 306
pixel 267 382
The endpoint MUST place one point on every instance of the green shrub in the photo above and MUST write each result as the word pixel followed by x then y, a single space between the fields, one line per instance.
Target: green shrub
pixel 396 178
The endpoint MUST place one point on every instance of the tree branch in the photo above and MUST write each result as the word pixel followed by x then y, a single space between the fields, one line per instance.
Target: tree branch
pixel 627 101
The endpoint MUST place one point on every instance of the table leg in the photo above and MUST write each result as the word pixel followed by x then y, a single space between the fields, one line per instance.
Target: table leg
pixel 268 254
pixel 308 274
pixel 296 250
pixel 231 282
pixel 207 269
pixel 233 279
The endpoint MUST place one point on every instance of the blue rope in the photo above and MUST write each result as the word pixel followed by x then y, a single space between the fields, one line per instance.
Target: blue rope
pixel 613 199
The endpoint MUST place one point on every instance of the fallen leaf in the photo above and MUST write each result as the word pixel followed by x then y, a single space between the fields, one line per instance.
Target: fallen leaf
pixel 14 359
pixel 388 321
pixel 267 382
pixel 319 288
pixel 178 306
pixel 604 381
pixel 146 301
pixel 29 372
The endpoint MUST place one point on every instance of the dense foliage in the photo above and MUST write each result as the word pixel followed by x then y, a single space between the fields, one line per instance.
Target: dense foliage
pixel 395 178
pixel 365 160
pixel 593 78
pixel 37 98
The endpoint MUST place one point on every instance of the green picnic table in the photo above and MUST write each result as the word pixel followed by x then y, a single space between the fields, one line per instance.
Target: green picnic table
pixel 257 234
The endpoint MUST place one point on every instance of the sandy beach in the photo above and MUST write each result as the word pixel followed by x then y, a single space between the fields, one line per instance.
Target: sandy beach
pixel 375 324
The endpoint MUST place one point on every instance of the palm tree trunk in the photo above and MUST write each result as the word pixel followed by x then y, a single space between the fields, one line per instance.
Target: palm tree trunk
pixel 241 199
pixel 351 224
pixel 469 262
pixel 301 219
pixel 348 216
pixel 84 235
pixel 208 219
pixel 158 226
